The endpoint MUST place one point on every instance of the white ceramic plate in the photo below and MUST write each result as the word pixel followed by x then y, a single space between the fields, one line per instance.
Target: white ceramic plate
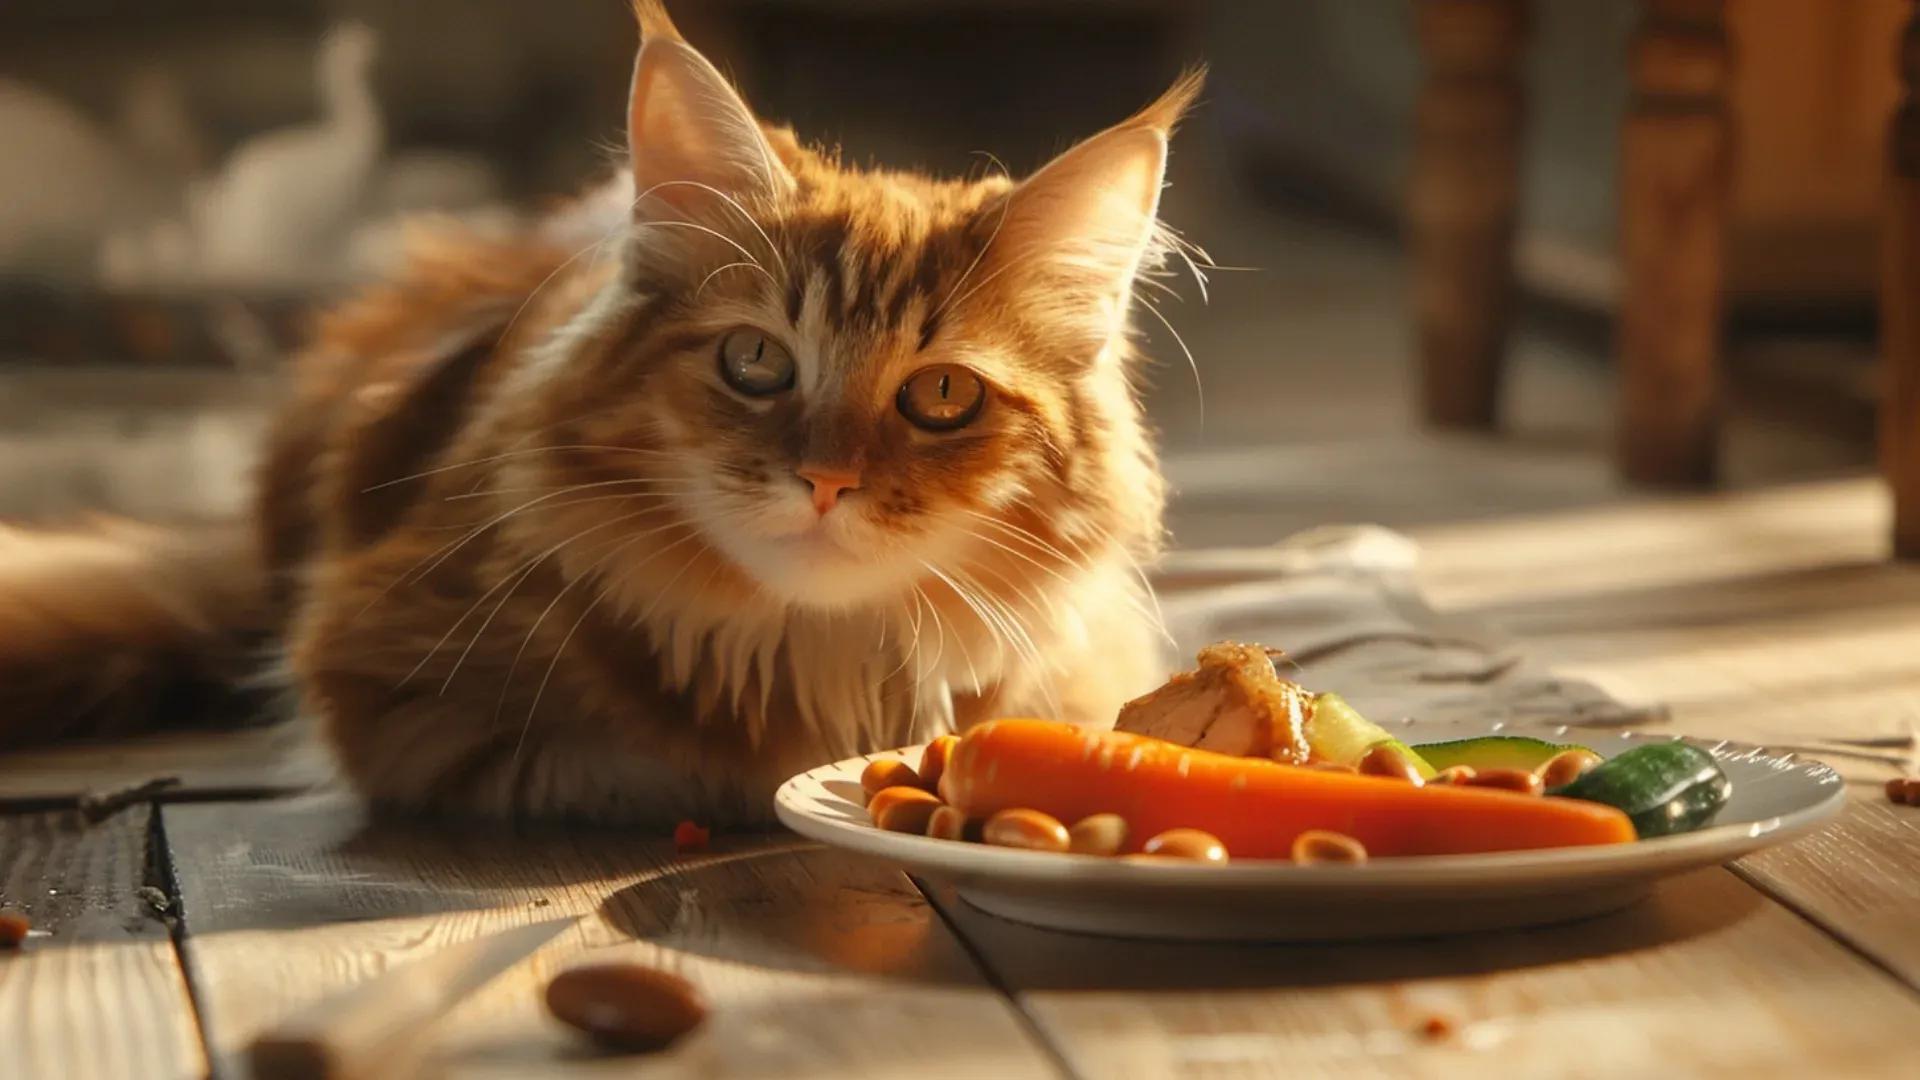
pixel 1775 798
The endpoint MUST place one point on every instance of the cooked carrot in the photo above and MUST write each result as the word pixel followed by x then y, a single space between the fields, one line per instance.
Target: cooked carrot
pixel 1256 807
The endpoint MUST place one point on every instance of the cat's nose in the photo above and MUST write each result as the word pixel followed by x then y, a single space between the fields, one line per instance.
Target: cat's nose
pixel 828 485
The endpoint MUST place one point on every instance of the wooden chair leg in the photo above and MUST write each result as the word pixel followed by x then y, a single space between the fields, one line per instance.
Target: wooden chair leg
pixel 1900 306
pixel 1461 202
pixel 1675 189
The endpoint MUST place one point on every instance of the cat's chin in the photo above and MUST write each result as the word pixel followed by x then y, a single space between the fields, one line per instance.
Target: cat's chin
pixel 813 570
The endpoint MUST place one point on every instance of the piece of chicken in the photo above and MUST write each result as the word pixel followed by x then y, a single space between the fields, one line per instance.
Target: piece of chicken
pixel 1235 702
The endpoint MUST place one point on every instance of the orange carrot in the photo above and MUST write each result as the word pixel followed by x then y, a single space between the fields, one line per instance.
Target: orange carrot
pixel 1255 806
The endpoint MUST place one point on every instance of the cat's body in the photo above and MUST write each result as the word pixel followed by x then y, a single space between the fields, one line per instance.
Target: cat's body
pixel 746 462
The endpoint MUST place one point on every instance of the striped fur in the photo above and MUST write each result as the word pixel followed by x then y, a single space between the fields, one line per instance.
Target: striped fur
pixel 533 557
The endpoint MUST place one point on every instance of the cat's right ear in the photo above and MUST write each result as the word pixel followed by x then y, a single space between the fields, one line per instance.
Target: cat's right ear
pixel 687 129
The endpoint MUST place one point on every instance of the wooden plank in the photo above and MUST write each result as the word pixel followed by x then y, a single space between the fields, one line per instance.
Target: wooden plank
pixel 1675 190
pixel 279 758
pixel 1899 309
pixel 1462 201
pixel 1861 880
pixel 815 963
pixel 99 993
pixel 1706 977
pixel 1769 617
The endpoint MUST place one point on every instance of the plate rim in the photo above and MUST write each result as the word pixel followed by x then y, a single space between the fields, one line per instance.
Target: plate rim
pixel 1715 844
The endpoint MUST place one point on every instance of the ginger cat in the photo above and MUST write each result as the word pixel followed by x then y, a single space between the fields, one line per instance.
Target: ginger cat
pixel 747 461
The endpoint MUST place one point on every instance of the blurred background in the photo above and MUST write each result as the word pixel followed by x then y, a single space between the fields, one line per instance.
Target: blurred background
pixel 180 180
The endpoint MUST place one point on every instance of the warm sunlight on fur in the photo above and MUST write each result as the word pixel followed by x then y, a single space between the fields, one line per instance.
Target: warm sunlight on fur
pixel 750 461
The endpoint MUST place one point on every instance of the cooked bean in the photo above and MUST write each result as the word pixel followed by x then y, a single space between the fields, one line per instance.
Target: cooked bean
pixel 903 809
pixel 948 823
pixel 630 1006
pixel 1913 791
pixel 1567 766
pixel 1190 844
pixel 1455 774
pixel 1026 829
pixel 886 773
pixel 933 761
pixel 1516 780
pixel 1904 790
pixel 1098 834
pixel 13 930
pixel 1384 760
pixel 1324 846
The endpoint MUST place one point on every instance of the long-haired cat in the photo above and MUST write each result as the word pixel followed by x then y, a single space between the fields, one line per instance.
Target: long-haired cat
pixel 749 461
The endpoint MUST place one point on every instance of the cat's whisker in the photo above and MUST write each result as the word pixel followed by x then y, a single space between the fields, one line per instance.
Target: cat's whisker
pixel 551 508
pixel 514 454
pixel 507 684
pixel 446 551
pixel 502 518
pixel 1029 537
pixel 715 233
pixel 1159 614
pixel 966 654
pixel 1185 250
pixel 940 650
pixel 980 613
pixel 1005 204
pixel 1199 392
pixel 1015 631
pixel 717 271
pixel 652 483
pixel 1201 256
pixel 1150 282
pixel 1036 563
pixel 772 248
pixel 1156 617
pixel 907 654
pixel 977 286
pixel 519 577
pixel 521 440
pixel 541 691
pixel 596 247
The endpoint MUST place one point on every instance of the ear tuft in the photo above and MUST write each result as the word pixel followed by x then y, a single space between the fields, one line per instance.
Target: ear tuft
pixel 689 133
pixel 655 23
pixel 1166 112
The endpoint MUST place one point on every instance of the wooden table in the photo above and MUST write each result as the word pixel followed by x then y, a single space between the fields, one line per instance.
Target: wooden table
pixel 1677 157
pixel 1746 613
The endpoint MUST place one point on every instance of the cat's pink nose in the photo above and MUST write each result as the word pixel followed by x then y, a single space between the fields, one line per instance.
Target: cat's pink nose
pixel 828 485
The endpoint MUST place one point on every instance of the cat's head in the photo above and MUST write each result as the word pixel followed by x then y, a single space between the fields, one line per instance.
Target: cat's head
pixel 850 380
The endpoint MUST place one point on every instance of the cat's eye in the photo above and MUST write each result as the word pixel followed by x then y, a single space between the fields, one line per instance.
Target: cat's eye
pixel 942 397
pixel 754 363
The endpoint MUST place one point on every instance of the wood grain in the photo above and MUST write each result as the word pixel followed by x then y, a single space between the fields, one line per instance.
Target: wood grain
pixel 1675 191
pixel 1900 306
pixel 101 994
pixel 1705 978
pixel 815 964
pixel 1462 200
pixel 1768 617
pixel 1860 880
pixel 279 758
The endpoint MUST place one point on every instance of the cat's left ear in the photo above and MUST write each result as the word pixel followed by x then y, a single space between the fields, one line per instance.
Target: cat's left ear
pixel 1087 218
pixel 687 128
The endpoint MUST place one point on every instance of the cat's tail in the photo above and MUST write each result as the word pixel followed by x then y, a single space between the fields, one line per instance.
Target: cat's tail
pixel 115 627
